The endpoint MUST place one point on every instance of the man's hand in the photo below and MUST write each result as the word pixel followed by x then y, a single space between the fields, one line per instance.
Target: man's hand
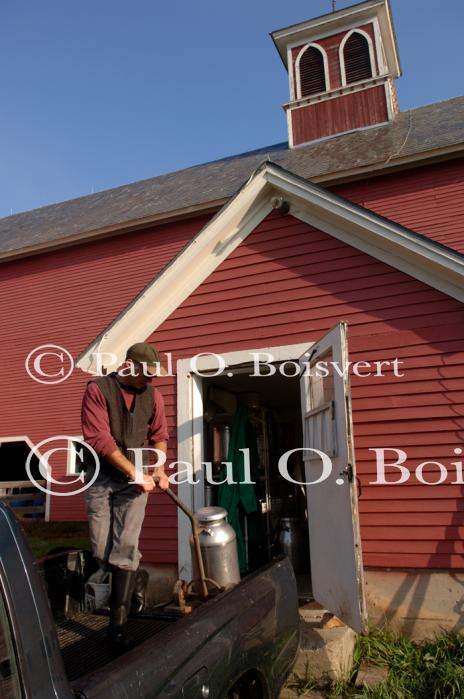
pixel 147 484
pixel 161 479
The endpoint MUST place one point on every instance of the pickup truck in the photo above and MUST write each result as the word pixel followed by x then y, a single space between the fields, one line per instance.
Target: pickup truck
pixel 240 644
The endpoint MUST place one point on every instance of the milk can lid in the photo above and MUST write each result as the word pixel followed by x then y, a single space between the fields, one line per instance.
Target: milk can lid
pixel 210 514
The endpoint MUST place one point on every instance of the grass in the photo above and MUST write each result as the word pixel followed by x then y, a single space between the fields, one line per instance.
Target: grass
pixel 44 536
pixel 429 670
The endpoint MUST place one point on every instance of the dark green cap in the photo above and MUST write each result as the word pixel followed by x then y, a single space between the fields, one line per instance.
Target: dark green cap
pixel 146 354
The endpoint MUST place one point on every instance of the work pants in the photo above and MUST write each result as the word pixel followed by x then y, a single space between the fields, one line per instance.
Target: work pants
pixel 115 513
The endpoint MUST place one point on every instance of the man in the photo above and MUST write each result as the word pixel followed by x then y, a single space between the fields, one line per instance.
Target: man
pixel 120 412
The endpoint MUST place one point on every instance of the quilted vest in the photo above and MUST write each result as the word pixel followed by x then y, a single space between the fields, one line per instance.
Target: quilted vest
pixel 129 429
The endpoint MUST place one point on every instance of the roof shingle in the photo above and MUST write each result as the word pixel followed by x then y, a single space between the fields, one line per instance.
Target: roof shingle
pixel 413 132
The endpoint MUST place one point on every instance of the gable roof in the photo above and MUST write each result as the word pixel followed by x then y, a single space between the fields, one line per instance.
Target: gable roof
pixel 416 255
pixel 420 133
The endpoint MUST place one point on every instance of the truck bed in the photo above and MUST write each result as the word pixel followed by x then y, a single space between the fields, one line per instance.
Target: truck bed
pixel 243 638
pixel 82 635
pixel 82 640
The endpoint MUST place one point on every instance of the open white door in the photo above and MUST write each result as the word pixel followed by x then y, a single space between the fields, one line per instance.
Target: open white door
pixel 335 544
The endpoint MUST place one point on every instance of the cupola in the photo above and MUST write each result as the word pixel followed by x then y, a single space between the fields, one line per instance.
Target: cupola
pixel 341 67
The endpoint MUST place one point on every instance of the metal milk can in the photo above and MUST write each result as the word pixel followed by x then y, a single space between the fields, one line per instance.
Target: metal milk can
pixel 218 545
pixel 292 542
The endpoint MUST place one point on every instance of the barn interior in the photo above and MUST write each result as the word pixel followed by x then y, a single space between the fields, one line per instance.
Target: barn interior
pixel 270 407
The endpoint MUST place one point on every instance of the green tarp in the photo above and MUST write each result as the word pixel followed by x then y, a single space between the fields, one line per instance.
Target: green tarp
pixel 239 498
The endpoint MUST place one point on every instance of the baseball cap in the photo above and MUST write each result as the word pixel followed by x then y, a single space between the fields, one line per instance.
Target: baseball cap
pixel 148 355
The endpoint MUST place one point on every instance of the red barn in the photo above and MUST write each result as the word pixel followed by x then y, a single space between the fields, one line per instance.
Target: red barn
pixel 343 248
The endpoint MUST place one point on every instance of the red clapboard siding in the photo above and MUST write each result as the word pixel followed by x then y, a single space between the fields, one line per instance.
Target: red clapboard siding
pixel 339 114
pixel 434 561
pixel 296 298
pixel 67 298
pixel 397 507
pixel 427 519
pixel 428 199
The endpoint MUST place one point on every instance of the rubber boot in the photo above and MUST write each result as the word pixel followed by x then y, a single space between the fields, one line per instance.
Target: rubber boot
pixel 139 593
pixel 122 585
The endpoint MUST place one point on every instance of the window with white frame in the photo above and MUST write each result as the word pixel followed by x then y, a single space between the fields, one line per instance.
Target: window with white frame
pixel 356 57
pixel 311 69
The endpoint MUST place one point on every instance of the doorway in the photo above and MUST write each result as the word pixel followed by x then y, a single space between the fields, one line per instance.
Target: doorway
pixel 271 407
pixel 310 413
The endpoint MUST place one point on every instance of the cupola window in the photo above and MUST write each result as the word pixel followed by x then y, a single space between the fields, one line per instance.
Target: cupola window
pixel 311 71
pixel 357 58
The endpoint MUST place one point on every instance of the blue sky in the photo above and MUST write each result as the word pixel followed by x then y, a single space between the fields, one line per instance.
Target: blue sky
pixel 98 93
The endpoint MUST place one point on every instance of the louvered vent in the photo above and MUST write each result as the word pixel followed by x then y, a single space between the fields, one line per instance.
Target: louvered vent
pixel 312 76
pixel 357 58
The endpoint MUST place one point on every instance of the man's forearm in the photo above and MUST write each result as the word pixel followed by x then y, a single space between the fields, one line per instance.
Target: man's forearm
pixel 117 459
pixel 162 446
pixel 160 475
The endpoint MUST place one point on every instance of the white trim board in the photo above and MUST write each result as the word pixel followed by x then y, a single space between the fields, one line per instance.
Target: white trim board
pixel 318 97
pixel 432 263
pixel 325 63
pixel 341 54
